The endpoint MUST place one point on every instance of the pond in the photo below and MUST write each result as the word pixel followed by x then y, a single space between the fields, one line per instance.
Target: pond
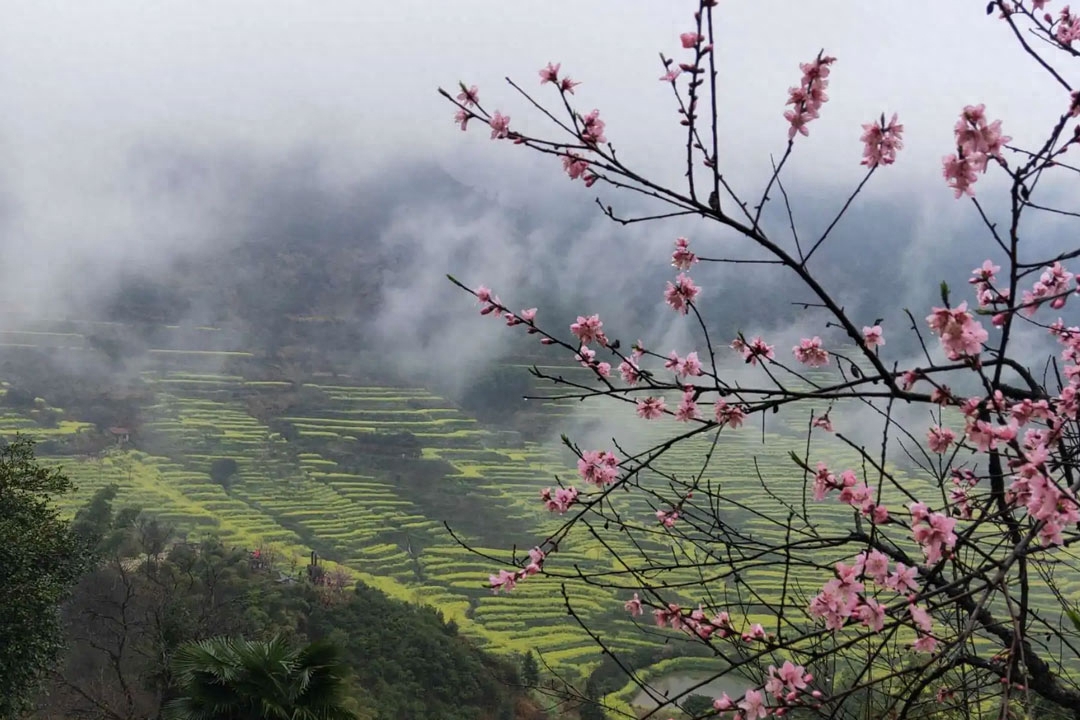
pixel 678 683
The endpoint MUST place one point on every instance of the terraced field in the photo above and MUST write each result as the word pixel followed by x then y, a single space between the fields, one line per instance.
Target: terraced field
pixel 369 521
pixel 367 475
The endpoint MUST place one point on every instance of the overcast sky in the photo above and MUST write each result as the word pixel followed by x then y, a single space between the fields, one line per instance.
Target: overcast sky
pixel 94 91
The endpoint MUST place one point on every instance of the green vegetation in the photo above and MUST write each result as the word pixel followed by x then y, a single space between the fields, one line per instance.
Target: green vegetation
pixel 233 679
pixel 40 559
pixel 141 624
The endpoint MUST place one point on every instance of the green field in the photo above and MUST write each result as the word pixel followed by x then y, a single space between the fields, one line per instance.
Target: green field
pixel 367 476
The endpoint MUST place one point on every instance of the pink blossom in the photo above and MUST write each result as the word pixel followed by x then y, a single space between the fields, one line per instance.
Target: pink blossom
pixel 872 614
pixel 933 531
pixel 977 141
pixel 550 73
pixel 873 337
pixel 589 329
pixel 1053 286
pixel 881 142
pixel 753 705
pixel 976 138
pixel 560 500
pixel 667 518
pixel 809 352
pixel 500 125
pixel 462 117
pixel 823 422
pixel 723 703
pixel 925 643
pixel 808 98
pixel 593 131
pixel 567 85
pixel 536 562
pixel 921 618
pixel 682 258
pixel 505 581
pixel 730 415
pixel 633 606
pixel 940 438
pixel 876 566
pixel 469 96
pixel 756 349
pixel 524 317
pixel 824 481
pixel 575 166
pixel 960 174
pixel 650 408
pixel 598 467
pixel 670 75
pixel 680 294
pixel 630 372
pixel 688 409
pixel 690 39
pixel 688 366
pixel 961 335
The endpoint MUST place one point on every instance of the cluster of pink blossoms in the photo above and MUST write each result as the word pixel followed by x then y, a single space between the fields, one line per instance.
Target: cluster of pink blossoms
pixel 961 335
pixel 491 305
pixel 989 296
pixel 881 142
pixel 590 329
pixel 845 598
pixel 933 532
pixel 507 580
pixel 560 500
pixel 698 623
pixel 753 351
pixel 682 257
pixel 550 74
pixel 592 130
pixel 1054 507
pixel 853 492
pixel 688 409
pixel 650 408
pixel 681 293
pixel 577 167
pixel 977 141
pixel 939 439
pixel 688 366
pixel 1067 27
pixel 788 685
pixel 598 467
pixel 809 352
pixel 727 415
pixel 808 98
pixel 469 97
pixel 1053 287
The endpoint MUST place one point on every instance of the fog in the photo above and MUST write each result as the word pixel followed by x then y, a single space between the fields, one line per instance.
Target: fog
pixel 142 140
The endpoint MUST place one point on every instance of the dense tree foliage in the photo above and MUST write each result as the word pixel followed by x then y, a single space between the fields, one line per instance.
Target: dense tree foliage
pixel 40 559
pixel 234 679
pixel 148 596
